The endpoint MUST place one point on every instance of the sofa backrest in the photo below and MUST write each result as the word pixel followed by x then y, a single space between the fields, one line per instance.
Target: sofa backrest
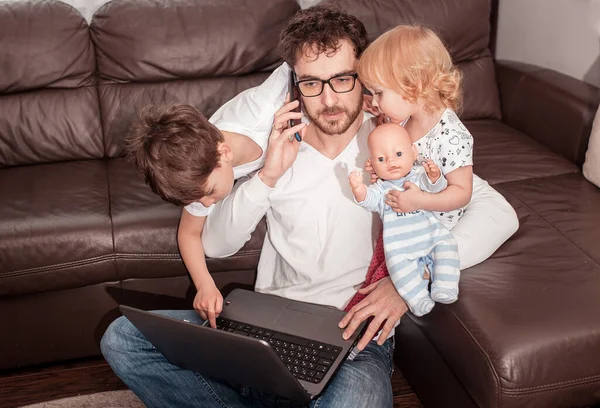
pixel 48 99
pixel 167 51
pixel 69 91
pixel 464 25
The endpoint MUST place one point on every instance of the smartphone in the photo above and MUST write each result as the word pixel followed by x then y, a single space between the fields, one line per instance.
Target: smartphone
pixel 294 95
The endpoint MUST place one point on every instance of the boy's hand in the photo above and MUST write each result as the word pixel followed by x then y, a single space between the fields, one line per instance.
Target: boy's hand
pixel 209 302
pixel 433 171
pixel 283 147
pixel 369 168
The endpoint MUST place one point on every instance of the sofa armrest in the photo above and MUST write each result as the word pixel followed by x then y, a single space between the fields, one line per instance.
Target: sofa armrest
pixel 554 109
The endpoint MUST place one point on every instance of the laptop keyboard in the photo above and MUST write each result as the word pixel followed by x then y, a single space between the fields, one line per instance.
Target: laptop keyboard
pixel 307 360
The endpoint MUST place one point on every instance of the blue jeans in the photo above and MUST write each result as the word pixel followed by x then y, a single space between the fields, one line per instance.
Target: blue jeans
pixel 363 382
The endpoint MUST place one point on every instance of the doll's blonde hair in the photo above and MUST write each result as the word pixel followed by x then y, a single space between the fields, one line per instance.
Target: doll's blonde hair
pixel 413 61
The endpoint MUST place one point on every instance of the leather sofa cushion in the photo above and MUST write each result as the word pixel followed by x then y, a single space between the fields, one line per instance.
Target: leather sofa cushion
pixel 50 125
pixel 516 338
pixel 503 154
pixel 569 203
pixel 137 41
pixel 44 45
pixel 145 231
pixel 465 28
pixel 48 102
pixel 121 103
pixel 56 228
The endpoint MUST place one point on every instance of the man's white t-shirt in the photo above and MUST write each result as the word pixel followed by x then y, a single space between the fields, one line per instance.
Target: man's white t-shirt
pixel 319 242
pixel 250 113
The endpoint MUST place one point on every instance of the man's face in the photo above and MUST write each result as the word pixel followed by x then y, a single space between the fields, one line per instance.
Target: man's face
pixel 333 113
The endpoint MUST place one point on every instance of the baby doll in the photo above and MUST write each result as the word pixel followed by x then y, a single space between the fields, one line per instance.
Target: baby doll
pixel 414 239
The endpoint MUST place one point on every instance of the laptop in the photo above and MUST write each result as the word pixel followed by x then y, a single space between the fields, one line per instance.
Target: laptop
pixel 277 345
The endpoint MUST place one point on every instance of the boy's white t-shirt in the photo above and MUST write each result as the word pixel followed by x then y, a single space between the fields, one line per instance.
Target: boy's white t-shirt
pixel 250 113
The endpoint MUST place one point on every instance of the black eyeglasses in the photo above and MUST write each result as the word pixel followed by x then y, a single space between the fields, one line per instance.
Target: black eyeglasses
pixel 338 84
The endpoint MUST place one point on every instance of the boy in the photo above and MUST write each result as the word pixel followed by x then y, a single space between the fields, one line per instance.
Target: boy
pixel 191 161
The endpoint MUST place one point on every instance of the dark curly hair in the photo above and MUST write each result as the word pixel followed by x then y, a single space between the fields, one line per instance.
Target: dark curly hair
pixel 321 26
pixel 175 148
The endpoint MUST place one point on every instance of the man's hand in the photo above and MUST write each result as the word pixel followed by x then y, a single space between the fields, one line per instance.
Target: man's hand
pixel 432 170
pixel 359 190
pixel 209 302
pixel 283 147
pixel 405 201
pixel 383 303
pixel 369 168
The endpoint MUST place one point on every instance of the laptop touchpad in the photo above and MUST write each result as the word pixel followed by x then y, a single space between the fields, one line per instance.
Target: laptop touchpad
pixel 306 319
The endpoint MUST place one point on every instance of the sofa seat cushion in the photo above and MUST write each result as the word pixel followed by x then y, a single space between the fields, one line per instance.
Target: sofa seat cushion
pixel 569 204
pixel 524 332
pixel 145 230
pixel 503 154
pixel 55 227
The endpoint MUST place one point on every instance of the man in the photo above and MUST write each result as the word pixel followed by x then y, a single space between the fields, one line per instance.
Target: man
pixel 319 242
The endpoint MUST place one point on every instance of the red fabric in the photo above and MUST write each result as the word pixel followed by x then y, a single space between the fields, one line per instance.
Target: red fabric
pixel 377 270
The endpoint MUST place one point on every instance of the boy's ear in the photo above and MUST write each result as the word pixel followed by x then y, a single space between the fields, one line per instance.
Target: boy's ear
pixel 224 152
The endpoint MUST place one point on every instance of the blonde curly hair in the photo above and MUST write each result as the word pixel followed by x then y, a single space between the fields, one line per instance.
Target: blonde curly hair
pixel 413 61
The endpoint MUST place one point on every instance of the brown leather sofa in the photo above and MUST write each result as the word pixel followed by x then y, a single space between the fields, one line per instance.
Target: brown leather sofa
pixel 81 233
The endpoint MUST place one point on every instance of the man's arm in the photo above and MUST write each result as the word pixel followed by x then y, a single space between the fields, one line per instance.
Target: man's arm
pixel 232 220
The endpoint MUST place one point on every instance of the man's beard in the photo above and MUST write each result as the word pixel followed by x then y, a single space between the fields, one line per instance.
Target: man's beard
pixel 334 127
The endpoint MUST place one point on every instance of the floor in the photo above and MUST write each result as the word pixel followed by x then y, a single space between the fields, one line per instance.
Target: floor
pixel 32 385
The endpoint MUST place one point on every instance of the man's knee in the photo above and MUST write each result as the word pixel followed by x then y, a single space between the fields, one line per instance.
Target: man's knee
pixel 361 383
pixel 114 339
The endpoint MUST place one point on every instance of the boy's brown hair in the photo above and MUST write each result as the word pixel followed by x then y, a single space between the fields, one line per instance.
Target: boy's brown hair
pixel 175 148
pixel 322 26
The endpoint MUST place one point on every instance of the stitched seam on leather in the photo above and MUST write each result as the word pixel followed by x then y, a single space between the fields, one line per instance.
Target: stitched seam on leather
pixel 245 254
pixel 557 385
pixel 109 257
pixel 82 262
pixel 112 224
pixel 485 356
pixel 145 254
